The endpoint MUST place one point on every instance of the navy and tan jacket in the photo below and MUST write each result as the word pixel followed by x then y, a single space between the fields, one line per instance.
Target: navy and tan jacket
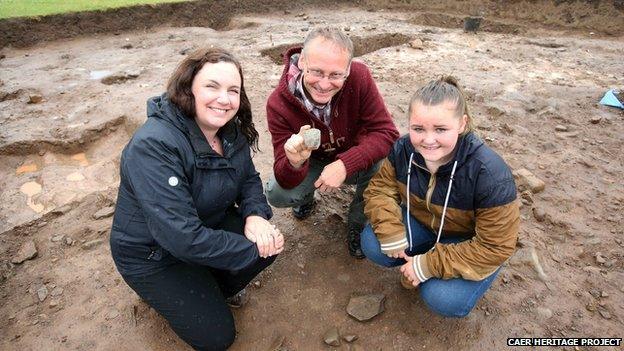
pixel 482 208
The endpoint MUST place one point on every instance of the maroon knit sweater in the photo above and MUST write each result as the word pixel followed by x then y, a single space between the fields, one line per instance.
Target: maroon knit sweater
pixel 361 131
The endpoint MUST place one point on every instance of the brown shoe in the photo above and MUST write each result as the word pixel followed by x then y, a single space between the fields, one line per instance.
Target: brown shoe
pixel 237 300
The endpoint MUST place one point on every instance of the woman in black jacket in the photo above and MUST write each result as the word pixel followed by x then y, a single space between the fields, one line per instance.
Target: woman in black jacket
pixel 191 225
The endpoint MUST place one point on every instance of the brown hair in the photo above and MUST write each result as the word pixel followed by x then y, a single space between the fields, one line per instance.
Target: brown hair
pixel 179 89
pixel 441 90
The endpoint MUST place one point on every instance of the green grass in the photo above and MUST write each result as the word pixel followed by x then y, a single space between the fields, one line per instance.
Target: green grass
pixel 21 8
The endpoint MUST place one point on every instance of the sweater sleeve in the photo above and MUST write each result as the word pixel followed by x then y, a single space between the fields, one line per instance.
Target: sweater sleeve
pixel 382 207
pixel 286 175
pixel 155 172
pixel 377 131
pixel 496 232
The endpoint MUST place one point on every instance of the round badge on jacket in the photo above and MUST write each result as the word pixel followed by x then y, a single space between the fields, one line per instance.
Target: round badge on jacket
pixel 173 181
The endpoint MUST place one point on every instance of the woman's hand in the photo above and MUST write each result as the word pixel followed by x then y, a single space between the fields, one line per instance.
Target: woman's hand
pixel 408 271
pixel 269 239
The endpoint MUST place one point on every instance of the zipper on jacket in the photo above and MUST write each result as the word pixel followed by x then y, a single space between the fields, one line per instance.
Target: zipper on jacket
pixel 430 188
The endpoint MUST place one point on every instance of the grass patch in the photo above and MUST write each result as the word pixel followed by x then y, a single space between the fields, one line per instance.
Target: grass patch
pixel 26 8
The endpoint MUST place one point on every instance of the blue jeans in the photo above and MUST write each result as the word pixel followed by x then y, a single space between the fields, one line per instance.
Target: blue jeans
pixel 450 298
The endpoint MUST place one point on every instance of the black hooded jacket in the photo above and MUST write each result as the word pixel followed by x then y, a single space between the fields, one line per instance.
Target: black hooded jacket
pixel 174 192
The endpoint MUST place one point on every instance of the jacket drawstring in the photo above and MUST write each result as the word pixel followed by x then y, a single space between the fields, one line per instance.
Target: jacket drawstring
pixel 446 199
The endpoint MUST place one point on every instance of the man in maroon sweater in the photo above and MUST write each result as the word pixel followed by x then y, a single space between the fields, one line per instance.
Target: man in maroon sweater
pixel 321 87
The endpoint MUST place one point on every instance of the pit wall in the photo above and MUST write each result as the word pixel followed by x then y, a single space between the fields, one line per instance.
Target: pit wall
pixel 601 17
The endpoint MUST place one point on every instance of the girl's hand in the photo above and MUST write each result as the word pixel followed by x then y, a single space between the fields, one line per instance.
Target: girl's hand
pixel 269 239
pixel 398 254
pixel 408 271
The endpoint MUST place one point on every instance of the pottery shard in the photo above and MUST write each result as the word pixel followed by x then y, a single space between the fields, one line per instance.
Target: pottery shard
pixel 104 212
pixel 527 179
pixel 332 337
pixel 26 252
pixel 312 138
pixel 366 307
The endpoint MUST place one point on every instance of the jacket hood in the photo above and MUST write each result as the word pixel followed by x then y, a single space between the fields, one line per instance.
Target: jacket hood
pixel 160 107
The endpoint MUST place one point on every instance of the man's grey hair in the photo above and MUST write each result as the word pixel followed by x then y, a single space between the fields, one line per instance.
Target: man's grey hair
pixel 332 34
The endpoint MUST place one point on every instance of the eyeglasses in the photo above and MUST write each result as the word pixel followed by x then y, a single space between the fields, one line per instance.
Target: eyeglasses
pixel 332 77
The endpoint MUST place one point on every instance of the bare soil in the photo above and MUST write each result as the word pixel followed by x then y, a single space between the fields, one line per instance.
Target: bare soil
pixel 534 75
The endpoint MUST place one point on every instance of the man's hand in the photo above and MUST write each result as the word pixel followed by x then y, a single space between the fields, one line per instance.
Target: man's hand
pixel 408 271
pixel 332 176
pixel 267 237
pixel 296 150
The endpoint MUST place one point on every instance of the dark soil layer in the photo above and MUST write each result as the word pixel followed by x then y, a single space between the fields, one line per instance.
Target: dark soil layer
pixel 601 17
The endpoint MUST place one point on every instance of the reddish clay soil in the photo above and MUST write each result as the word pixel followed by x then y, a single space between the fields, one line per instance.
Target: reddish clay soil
pixel 534 75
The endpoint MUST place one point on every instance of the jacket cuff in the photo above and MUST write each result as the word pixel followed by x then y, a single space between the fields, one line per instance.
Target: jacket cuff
pixel 264 212
pixel 419 263
pixel 289 177
pixel 392 246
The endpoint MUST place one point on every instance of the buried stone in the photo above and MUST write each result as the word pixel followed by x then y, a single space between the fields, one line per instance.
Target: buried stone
pixel 366 307
pixel 26 252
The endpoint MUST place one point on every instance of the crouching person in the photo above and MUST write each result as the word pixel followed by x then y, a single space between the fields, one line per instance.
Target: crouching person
pixel 191 226
pixel 443 205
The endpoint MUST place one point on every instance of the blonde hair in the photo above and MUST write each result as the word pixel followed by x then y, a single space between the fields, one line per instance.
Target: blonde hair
pixel 439 91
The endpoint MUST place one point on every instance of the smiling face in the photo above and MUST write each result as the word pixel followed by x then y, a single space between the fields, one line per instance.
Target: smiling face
pixel 216 89
pixel 434 131
pixel 324 57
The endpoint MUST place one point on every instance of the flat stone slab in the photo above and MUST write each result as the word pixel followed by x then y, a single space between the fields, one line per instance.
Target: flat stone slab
pixel 26 252
pixel 366 307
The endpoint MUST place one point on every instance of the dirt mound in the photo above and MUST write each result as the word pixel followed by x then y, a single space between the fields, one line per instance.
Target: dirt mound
pixel 599 16
pixel 533 94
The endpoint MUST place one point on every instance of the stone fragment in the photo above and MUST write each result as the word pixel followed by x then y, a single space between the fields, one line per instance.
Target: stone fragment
pixel 561 128
pixel 104 212
pixel 496 111
pixel 605 314
pixel 600 259
pixel 69 241
pixel 416 44
pixel 56 238
pixel 257 284
pixel 595 120
pixel 35 99
pixel 26 252
pixel 58 291
pixel 350 338
pixel 89 245
pixel 539 214
pixel 366 307
pixel 312 138
pixel 42 293
pixel 528 256
pixel 527 179
pixel 544 313
pixel 332 337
